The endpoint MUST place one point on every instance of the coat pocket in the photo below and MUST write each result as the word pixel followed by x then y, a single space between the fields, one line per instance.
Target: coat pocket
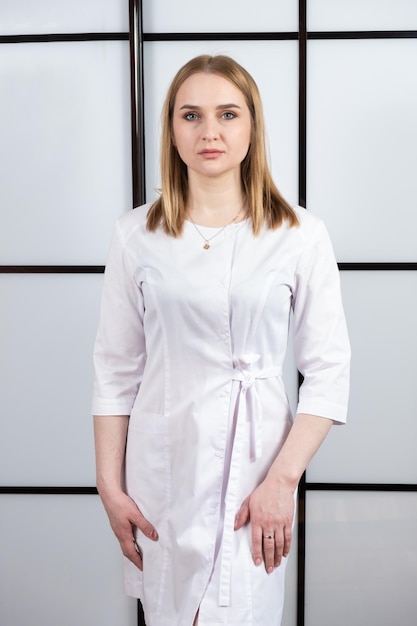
pixel 148 466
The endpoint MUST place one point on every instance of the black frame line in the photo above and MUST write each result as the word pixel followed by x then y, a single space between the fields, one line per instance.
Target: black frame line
pixel 379 267
pixel 302 104
pixel 222 36
pixel 374 487
pixel 48 38
pixel 52 269
pixel 363 34
pixel 28 489
pixel 234 36
pixel 310 486
pixel 137 102
pixel 136 38
pixel 99 269
pixel 302 201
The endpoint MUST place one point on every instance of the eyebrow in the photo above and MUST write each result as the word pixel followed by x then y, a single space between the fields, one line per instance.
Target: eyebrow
pixel 230 105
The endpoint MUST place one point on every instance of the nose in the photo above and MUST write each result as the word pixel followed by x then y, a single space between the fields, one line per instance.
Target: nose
pixel 210 130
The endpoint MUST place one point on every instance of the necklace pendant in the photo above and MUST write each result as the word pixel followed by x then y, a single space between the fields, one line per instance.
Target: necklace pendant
pixel 206 245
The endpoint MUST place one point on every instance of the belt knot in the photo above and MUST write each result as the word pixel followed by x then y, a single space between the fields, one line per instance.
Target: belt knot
pixel 245 367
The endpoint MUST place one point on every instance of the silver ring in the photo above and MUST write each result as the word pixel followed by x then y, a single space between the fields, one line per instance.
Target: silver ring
pixel 268 536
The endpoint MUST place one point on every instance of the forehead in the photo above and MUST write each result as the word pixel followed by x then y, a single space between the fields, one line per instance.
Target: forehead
pixel 205 89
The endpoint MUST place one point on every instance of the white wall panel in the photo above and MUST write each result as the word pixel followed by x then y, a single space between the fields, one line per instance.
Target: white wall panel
pixel 361 559
pixel 65 150
pixel 60 564
pixel 23 17
pixel 273 65
pixel 378 443
pixel 361 138
pixel 47 329
pixel 362 15
pixel 165 16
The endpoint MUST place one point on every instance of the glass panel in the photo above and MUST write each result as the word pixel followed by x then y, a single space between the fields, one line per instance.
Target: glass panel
pixel 47 330
pixel 60 563
pixel 278 87
pixel 362 15
pixel 361 558
pixel 74 556
pixel 25 17
pixel 163 16
pixel 378 443
pixel 361 146
pixel 65 151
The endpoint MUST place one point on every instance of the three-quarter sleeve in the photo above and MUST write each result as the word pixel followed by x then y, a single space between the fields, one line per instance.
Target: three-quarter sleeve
pixel 119 353
pixel 322 348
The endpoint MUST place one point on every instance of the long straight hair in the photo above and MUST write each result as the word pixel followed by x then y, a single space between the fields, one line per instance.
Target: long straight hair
pixel 265 203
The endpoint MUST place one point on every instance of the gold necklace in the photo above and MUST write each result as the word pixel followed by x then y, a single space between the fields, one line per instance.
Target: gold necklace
pixel 207 240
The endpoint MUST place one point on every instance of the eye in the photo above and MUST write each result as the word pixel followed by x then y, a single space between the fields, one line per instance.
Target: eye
pixel 228 115
pixel 191 117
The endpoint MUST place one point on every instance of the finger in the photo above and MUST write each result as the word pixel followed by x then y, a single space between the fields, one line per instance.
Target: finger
pixel 126 532
pixel 287 540
pixel 130 548
pixel 279 542
pixel 144 526
pixel 257 554
pixel 268 543
pixel 242 516
pixel 137 519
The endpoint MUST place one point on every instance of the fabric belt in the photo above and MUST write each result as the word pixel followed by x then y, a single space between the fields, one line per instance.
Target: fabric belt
pixel 249 409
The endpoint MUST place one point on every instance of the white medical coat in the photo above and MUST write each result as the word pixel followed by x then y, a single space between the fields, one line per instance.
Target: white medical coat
pixel 191 344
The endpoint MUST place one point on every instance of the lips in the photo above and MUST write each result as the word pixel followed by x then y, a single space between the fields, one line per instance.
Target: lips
pixel 210 154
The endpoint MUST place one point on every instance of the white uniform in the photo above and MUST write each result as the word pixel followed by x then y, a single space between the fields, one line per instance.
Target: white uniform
pixel 191 344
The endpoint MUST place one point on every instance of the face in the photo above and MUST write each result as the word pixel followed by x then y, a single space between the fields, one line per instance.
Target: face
pixel 211 125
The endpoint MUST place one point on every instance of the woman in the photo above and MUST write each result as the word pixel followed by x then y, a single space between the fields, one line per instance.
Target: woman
pixel 198 456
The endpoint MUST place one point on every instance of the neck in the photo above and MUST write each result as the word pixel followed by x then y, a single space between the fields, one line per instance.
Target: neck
pixel 214 204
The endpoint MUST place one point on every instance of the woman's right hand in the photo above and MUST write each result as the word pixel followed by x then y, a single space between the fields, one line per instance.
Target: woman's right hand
pixel 110 432
pixel 125 517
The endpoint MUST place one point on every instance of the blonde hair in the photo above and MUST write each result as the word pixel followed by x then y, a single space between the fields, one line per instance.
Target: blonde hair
pixel 264 201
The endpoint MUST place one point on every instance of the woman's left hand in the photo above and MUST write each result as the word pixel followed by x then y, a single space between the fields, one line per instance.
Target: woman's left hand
pixel 270 511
